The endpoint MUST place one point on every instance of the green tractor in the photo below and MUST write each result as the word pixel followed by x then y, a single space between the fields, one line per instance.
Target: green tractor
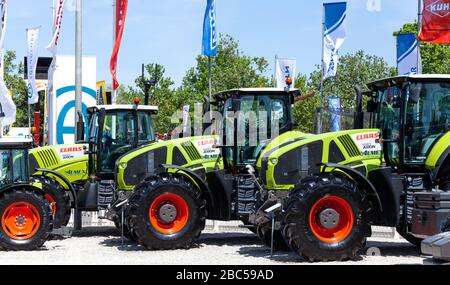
pixel 62 170
pixel 26 216
pixel 317 194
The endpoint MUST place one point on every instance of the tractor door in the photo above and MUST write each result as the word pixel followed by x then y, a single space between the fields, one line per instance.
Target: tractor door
pixel 257 119
pixel 116 133
pixel 427 119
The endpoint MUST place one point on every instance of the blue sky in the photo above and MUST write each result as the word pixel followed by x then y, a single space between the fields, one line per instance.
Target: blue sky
pixel 169 31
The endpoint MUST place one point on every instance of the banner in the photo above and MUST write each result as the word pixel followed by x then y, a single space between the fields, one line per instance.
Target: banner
pixel 62 111
pixel 334 36
pixel 408 55
pixel 59 7
pixel 121 14
pixel 335 113
pixel 435 22
pixel 102 99
pixel 209 46
pixel 32 59
pixel 186 122
pixel 283 69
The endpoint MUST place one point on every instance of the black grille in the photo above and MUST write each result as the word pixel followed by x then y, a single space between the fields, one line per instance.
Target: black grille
pixel 191 150
pixel 48 157
pixel 349 145
pixel 145 165
pixel 299 163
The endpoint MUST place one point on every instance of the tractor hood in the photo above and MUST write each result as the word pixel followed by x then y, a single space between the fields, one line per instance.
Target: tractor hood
pixel 68 160
pixel 285 166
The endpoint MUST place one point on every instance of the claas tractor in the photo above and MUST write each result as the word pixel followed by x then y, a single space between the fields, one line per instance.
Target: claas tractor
pixel 62 170
pixel 26 215
pixel 318 195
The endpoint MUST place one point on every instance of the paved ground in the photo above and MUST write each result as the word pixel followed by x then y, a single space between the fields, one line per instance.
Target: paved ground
pixel 104 246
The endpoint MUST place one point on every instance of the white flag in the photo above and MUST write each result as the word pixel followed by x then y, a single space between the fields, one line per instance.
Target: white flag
pixel 334 36
pixel 58 6
pixel 186 122
pixel 285 68
pixel 7 105
pixel 32 59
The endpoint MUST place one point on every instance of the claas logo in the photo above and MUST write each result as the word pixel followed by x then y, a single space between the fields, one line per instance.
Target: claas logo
pixel 71 149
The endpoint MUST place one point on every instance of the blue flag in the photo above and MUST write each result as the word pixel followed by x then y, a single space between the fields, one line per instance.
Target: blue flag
pixel 408 59
pixel 334 36
pixel 336 113
pixel 209 30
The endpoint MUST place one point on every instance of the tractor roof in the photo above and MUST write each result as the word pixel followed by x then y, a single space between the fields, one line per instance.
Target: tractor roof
pixel 123 108
pixel 254 92
pixel 392 81
pixel 15 142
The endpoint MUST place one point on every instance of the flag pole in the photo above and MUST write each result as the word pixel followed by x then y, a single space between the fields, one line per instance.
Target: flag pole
pixel 209 78
pixel 275 71
pixel 320 117
pixel 113 92
pixel 78 66
pixel 2 68
pixel 419 27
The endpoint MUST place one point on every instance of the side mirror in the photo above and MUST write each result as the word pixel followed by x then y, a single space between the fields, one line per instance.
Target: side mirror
pixel 206 105
pixel 371 106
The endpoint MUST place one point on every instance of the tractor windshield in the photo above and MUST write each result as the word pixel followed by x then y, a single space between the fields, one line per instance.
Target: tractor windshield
pixel 427 118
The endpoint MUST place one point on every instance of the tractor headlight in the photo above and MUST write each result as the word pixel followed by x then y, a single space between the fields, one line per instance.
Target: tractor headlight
pixel 274 161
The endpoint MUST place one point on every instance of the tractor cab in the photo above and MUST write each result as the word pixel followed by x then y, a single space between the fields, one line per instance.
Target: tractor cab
pixel 251 119
pixel 413 113
pixel 116 130
pixel 14 161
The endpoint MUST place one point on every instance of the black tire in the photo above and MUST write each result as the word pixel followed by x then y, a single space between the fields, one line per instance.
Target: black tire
pixel 40 232
pixel 150 191
pixel 126 229
pixel 59 200
pixel 410 238
pixel 279 243
pixel 298 230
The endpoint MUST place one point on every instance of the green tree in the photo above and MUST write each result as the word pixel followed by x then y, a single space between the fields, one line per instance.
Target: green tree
pixel 15 83
pixel 435 57
pixel 230 69
pixel 353 70
pixel 161 95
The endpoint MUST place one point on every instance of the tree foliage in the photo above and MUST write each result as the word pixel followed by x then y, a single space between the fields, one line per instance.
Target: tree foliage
pixel 15 83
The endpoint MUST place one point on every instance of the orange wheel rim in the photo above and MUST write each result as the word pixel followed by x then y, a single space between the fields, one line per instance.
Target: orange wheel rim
pixel 21 221
pixel 331 219
pixel 169 214
pixel 52 203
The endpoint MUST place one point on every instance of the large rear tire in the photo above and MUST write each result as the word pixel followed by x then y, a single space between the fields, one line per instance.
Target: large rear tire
pixel 58 199
pixel 324 219
pixel 26 221
pixel 126 229
pixel 166 212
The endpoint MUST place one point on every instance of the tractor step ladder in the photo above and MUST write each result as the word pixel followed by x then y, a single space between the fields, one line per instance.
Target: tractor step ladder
pixel 437 246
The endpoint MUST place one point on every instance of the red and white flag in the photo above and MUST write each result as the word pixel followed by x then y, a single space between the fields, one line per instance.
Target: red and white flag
pixel 121 14
pixel 53 46
pixel 435 22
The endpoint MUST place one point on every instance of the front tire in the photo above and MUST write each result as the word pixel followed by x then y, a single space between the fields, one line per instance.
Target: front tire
pixel 58 199
pixel 167 212
pixel 324 219
pixel 26 221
